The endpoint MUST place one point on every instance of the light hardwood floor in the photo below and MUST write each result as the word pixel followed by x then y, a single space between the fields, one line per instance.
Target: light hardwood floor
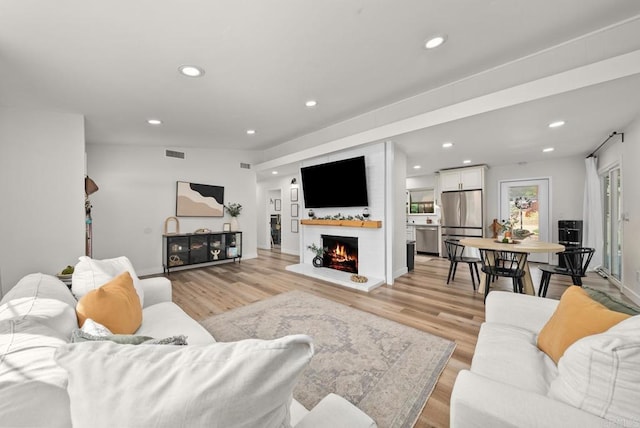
pixel 420 299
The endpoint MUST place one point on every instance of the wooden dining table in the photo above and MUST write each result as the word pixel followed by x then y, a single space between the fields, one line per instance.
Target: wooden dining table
pixel 521 246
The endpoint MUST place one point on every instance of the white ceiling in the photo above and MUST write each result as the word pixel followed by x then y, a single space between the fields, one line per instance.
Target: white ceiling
pixel 116 62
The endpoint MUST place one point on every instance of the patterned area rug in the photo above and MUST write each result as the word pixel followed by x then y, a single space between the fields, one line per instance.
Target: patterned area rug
pixel 386 369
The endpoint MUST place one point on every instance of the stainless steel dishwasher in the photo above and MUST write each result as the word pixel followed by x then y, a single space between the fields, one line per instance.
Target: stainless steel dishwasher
pixel 427 239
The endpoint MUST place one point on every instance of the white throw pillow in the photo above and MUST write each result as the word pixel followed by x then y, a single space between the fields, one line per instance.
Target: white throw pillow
pixel 90 274
pixel 42 298
pixel 32 386
pixel 601 374
pixel 239 384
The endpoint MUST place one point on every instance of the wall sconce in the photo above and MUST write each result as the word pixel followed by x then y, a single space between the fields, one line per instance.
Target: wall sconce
pixel 294 181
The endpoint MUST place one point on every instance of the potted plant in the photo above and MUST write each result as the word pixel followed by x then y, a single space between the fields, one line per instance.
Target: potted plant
pixel 319 252
pixel 234 211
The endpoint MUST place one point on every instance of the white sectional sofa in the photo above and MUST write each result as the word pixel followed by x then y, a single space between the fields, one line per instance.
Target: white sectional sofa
pixel 512 383
pixel 37 317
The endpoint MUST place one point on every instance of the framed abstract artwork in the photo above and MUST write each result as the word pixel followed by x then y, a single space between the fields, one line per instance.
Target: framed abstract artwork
pixel 199 200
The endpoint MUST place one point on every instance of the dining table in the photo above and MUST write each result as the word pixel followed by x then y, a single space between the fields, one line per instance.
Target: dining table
pixel 526 245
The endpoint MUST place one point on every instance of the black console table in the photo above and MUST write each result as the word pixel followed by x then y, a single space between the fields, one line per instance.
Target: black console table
pixel 187 249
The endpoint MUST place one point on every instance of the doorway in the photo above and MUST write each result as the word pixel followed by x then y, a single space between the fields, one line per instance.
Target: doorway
pixel 612 228
pixel 275 219
pixel 526 204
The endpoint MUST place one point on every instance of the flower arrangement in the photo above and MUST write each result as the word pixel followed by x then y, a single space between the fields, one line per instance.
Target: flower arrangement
pixel 233 209
pixel 314 248
pixel 507 225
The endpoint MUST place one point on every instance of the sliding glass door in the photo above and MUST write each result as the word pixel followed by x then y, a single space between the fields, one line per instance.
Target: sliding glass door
pixel 612 228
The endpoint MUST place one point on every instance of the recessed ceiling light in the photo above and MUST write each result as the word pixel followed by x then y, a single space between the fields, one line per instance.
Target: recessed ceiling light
pixel 154 122
pixel 417 167
pixel 556 124
pixel 435 41
pixel 274 172
pixel 548 149
pixel 190 70
pixel 447 145
pixel 311 103
pixel 466 161
pixel 251 131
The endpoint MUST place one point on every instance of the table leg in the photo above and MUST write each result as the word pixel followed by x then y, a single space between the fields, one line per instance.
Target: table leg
pixel 527 281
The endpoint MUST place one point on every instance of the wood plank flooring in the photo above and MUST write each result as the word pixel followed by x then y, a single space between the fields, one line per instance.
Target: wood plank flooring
pixel 420 299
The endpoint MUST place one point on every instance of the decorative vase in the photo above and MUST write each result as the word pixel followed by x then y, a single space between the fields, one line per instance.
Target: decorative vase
pixel 365 213
pixel 234 224
pixel 312 214
pixel 317 261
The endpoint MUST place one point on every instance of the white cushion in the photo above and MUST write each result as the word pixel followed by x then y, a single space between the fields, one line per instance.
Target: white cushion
pixel 43 298
pixel 239 384
pixel 503 351
pixel 90 274
pixel 167 319
pixel 336 412
pixel 32 386
pixel 601 374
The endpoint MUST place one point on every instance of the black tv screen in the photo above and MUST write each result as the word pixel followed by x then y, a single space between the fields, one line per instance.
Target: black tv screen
pixel 341 183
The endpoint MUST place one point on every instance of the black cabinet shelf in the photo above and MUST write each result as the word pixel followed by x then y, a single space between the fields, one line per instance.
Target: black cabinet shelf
pixel 181 250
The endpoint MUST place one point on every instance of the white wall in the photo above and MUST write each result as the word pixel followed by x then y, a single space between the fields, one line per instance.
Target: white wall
pixel 566 183
pixel 138 192
pixel 396 211
pixel 42 192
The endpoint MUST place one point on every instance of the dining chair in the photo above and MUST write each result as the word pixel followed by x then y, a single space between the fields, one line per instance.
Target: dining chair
pixel 576 261
pixel 455 255
pixel 507 264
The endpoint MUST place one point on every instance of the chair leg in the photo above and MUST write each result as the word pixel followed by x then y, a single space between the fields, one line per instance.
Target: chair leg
pixel 455 268
pixel 450 271
pixel 544 284
pixel 577 280
pixel 521 285
pixel 475 267
pixel 514 281
pixel 486 288
pixel 473 278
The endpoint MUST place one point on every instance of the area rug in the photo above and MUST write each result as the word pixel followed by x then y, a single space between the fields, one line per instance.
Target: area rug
pixel 386 369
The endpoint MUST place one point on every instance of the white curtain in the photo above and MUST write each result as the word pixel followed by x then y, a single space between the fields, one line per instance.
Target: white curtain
pixel 592 212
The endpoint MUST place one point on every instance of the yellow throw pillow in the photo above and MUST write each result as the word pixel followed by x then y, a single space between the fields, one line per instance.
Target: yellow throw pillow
pixel 576 316
pixel 115 305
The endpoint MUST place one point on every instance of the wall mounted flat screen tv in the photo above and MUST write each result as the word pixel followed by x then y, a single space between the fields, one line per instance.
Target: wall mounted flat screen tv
pixel 341 183
pixel 199 200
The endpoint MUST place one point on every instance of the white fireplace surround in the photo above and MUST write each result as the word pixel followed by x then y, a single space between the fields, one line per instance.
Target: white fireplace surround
pixel 371 241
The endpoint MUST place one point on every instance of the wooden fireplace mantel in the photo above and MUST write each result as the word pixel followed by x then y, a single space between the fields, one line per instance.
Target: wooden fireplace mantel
pixel 371 224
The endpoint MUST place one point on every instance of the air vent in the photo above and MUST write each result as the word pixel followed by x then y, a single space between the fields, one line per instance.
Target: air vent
pixel 245 165
pixel 174 154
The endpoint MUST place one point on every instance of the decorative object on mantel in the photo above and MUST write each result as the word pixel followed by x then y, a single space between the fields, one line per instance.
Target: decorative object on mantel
pixel 365 213
pixel 312 214
pixel 166 226
pixel 372 224
pixel 359 278
pixel 319 252
pixel 234 211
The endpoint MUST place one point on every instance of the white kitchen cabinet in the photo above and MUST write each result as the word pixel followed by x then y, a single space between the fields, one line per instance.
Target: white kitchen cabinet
pixel 462 179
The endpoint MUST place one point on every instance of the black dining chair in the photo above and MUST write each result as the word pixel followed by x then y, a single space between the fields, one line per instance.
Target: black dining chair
pixel 455 255
pixel 576 262
pixel 508 264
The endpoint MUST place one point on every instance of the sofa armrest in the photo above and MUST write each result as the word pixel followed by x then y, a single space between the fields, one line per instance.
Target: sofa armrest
pixel 477 401
pixel 521 310
pixel 156 289
pixel 335 412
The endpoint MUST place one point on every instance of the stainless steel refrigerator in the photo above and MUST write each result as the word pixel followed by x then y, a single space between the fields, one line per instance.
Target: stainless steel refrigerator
pixel 461 215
